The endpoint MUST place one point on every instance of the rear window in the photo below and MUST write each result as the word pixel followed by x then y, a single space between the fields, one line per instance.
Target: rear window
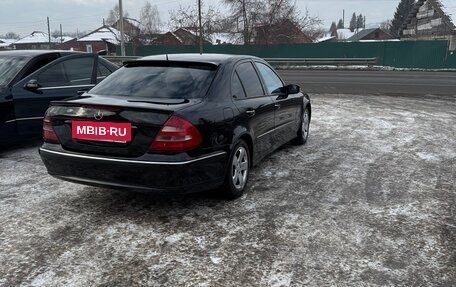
pixel 158 80
pixel 10 66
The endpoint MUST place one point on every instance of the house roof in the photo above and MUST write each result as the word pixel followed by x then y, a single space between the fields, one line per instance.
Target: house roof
pixel 35 37
pixel 188 37
pixel 449 8
pixel 5 41
pixel 324 38
pixel 343 34
pixel 64 39
pixel 133 22
pixel 363 33
pixel 102 34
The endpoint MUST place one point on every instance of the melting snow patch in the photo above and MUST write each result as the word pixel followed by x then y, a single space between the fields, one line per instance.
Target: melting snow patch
pixel 216 260
pixel 43 279
pixel 174 238
pixel 280 279
pixel 427 156
pixel 201 241
pixel 283 173
pixel 267 173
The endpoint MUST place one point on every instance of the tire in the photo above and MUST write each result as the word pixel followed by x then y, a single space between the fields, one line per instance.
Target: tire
pixel 303 131
pixel 238 171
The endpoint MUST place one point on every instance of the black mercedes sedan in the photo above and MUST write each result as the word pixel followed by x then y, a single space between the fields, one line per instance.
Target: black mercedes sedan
pixel 30 79
pixel 175 124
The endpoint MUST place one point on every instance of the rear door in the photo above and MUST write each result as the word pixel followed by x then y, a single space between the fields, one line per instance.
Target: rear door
pixel 255 107
pixel 286 106
pixel 61 79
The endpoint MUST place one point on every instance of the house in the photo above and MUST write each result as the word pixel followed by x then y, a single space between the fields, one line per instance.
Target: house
pixel 374 34
pixel 102 39
pixel 429 20
pixel 182 36
pixel 36 40
pixel 284 32
pixel 66 43
pixel 132 27
pixel 6 44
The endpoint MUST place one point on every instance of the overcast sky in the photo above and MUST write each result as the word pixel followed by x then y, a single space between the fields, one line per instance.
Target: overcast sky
pixel 26 16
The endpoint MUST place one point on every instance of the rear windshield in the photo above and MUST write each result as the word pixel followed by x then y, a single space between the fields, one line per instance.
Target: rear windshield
pixel 165 80
pixel 9 67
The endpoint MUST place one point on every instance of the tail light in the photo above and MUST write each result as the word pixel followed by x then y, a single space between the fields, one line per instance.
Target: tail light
pixel 176 134
pixel 49 134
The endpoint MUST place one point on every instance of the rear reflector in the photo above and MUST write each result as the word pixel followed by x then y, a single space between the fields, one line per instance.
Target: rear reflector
pixel 49 134
pixel 176 134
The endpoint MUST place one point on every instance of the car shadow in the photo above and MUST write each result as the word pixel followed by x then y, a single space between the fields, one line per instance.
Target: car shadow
pixel 114 203
pixel 20 144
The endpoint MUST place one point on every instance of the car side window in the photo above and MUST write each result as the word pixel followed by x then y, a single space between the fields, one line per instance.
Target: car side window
pixel 39 64
pixel 102 72
pixel 237 91
pixel 71 72
pixel 250 80
pixel 271 80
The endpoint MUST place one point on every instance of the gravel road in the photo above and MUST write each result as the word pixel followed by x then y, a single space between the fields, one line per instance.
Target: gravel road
pixel 369 201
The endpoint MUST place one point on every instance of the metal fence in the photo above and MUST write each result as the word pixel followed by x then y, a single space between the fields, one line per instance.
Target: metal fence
pixel 284 62
pixel 399 54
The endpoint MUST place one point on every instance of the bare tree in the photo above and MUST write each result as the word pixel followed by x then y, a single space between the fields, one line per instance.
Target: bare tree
pixel 273 16
pixel 386 25
pixel 187 17
pixel 10 35
pixel 114 15
pixel 282 13
pixel 150 19
pixel 246 14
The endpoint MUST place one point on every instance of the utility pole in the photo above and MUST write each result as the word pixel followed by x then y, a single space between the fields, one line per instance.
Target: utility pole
pixel 343 18
pixel 49 33
pixel 200 28
pixel 61 34
pixel 122 36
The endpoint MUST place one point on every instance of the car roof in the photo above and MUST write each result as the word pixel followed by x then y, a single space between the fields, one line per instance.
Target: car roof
pixel 32 53
pixel 195 57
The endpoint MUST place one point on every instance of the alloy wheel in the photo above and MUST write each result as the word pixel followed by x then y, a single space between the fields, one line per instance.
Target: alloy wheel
pixel 240 168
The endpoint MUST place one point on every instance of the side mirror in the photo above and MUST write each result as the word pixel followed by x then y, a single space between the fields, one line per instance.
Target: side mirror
pixel 293 89
pixel 32 85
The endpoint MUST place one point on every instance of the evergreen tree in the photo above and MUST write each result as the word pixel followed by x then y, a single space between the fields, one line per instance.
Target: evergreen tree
pixel 340 25
pixel 353 22
pixel 333 27
pixel 360 21
pixel 402 11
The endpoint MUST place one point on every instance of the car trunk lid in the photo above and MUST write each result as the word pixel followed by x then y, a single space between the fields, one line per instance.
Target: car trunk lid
pixel 115 126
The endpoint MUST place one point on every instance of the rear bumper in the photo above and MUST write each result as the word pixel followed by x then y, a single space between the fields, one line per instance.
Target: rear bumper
pixel 143 174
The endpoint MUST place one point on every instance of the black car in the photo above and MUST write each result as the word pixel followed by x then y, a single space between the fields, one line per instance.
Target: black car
pixel 175 123
pixel 29 80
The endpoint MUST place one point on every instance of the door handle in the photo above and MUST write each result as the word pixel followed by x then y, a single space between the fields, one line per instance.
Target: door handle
pixel 277 106
pixel 250 113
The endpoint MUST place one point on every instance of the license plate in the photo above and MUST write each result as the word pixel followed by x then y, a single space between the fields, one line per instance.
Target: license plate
pixel 101 131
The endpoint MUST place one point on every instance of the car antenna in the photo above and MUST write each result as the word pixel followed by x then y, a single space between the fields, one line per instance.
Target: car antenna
pixel 167 57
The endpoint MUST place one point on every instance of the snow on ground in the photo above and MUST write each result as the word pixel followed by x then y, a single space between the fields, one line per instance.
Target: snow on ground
pixel 368 201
